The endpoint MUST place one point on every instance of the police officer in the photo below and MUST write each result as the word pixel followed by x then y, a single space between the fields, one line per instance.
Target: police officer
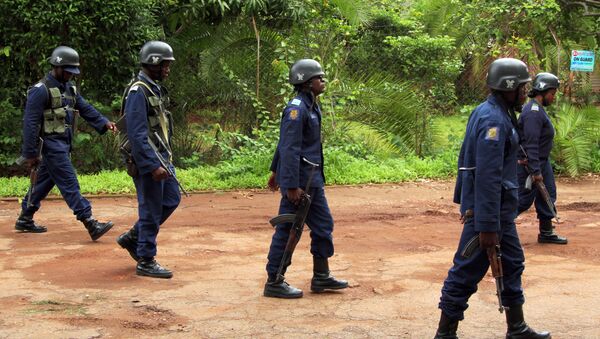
pixel 300 136
pixel 537 133
pixel 150 124
pixel 486 190
pixel 49 114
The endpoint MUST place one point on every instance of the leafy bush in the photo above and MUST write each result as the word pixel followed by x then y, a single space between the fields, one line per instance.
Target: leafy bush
pixel 576 139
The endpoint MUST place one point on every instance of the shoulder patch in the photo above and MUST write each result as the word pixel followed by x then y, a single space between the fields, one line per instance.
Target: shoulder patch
pixel 39 84
pixel 296 102
pixel 134 88
pixel 492 134
pixel 294 114
pixel 535 107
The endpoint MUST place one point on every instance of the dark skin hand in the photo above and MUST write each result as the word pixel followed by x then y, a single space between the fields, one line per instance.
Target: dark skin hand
pixel 272 183
pixel 111 126
pixel 488 240
pixel 31 163
pixel 295 195
pixel 535 177
pixel 160 174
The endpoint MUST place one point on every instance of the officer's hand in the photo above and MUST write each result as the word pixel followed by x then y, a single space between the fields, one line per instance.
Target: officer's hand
pixel 272 183
pixel 294 195
pixel 523 162
pixel 537 178
pixel 111 126
pixel 488 240
pixel 160 174
pixel 31 163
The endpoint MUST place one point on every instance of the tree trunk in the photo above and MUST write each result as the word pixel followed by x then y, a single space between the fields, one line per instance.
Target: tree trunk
pixel 257 34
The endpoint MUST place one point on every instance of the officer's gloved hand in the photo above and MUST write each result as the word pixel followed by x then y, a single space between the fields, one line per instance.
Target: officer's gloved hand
pixel 272 183
pixel 488 240
pixel 294 195
pixel 160 174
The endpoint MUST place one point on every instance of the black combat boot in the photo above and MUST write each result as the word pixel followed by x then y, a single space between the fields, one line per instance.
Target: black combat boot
pixel 322 279
pixel 128 241
pixel 25 224
pixel 150 268
pixel 95 228
pixel 547 234
pixel 446 328
pixel 518 329
pixel 281 289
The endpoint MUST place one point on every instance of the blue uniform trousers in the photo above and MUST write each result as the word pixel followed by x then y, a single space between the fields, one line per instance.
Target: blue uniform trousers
pixel 156 202
pixel 320 222
pixel 56 169
pixel 466 273
pixel 527 197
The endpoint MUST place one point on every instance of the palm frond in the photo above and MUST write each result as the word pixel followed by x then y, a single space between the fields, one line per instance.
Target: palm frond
pixel 355 11
pixel 576 136
pixel 384 105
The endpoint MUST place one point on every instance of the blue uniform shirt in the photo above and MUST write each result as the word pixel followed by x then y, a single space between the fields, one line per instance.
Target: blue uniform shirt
pixel 136 116
pixel 537 134
pixel 38 100
pixel 299 136
pixel 487 178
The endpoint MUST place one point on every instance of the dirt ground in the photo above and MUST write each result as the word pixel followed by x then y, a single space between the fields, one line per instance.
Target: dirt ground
pixel 394 243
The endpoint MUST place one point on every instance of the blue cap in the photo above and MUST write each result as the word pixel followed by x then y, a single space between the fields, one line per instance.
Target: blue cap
pixel 71 69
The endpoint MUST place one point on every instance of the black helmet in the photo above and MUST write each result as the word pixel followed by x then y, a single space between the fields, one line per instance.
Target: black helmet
pixel 304 70
pixel 545 81
pixel 154 52
pixel 66 57
pixel 506 74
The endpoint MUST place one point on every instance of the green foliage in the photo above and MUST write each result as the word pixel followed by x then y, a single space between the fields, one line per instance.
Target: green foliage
pixel 576 139
pixel 107 35
pixel 252 171
pixel 398 45
pixel 10 133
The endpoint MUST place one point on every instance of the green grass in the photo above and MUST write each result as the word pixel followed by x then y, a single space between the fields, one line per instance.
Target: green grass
pixel 253 172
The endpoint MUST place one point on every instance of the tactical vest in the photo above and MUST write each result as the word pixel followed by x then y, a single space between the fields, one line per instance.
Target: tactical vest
pixel 159 118
pixel 55 114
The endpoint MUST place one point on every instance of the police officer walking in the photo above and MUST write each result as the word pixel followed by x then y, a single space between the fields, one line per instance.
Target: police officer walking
pixel 50 112
pixel 300 137
pixel 486 190
pixel 537 134
pixel 149 127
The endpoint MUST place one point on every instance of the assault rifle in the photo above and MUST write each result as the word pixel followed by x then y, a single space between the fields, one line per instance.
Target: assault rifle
pixel 33 172
pixel 495 258
pixel 541 187
pixel 165 163
pixel 297 221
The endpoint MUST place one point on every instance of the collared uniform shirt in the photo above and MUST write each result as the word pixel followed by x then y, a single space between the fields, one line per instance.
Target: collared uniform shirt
pixel 487 177
pixel 299 136
pixel 537 134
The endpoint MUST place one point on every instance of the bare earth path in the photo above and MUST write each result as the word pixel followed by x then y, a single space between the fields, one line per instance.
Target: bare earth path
pixel 393 242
